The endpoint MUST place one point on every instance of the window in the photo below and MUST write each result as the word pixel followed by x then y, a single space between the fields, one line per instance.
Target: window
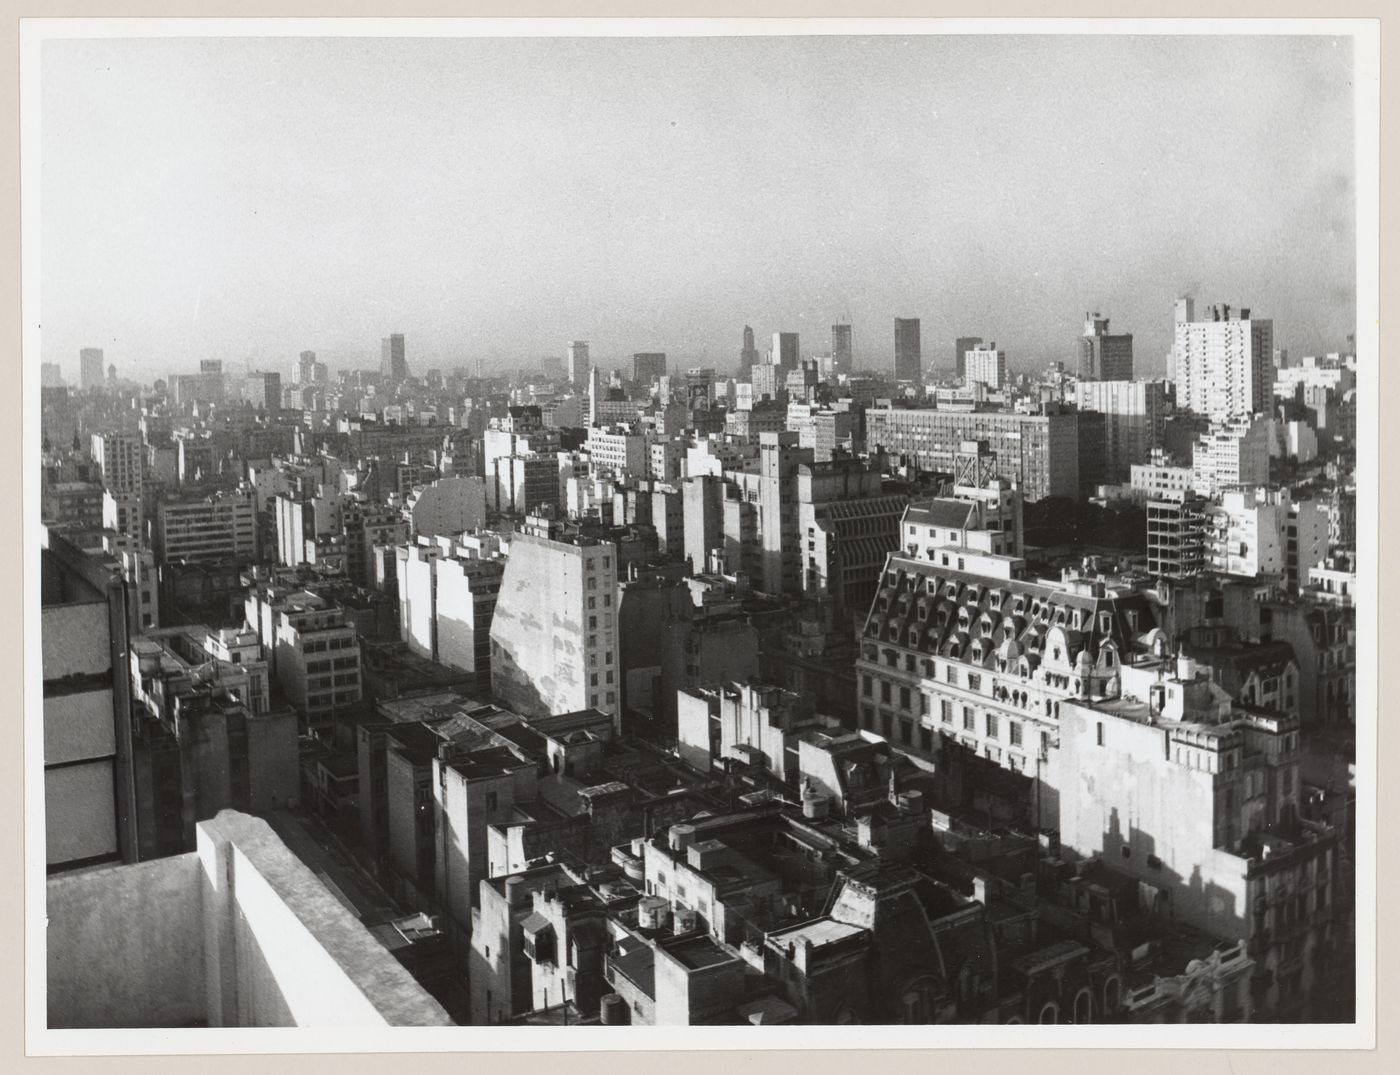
pixel 593 679
pixel 867 717
pixel 991 725
pixel 867 686
pixel 974 681
pixel 906 732
pixel 905 701
pixel 886 725
pixel 592 602
pixel 885 693
pixel 950 674
pixel 592 623
pixel 1015 728
pixel 968 723
pixel 925 740
pixel 1099 733
pixel 491 800
pixel 945 711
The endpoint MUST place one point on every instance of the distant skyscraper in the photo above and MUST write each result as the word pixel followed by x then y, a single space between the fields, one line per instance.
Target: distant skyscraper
pixel 840 349
pixel 784 351
pixel 908 355
pixel 577 364
pixel 748 357
pixel 51 375
pixel 1223 366
pixel 92 370
pixel 961 347
pixel 1102 356
pixel 648 366
pixel 986 365
pixel 393 367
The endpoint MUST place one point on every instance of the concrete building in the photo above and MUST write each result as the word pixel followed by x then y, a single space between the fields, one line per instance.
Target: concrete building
pixel 263 391
pixel 221 526
pixel 447 506
pixel 1160 479
pixel 841 353
pixel 961 346
pixel 447 600
pixel 908 353
pixel 554 641
pixel 313 651
pixel 1177 537
pixel 206 736
pixel 748 353
pixel 577 365
pixel 985 365
pixel 1234 453
pixel 50 375
pixel 393 366
pixel 618 451
pixel 238 932
pixel 1256 531
pixel 1223 365
pixel 1134 412
pixel 784 353
pixel 648 367
pixel 1103 356
pixel 1200 802
pixel 1039 453
pixel 88 780
pixel 92 370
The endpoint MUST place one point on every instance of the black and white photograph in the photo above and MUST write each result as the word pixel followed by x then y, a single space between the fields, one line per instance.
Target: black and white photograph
pixel 554 532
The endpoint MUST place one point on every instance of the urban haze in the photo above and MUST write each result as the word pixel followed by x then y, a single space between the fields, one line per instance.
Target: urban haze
pixel 699 531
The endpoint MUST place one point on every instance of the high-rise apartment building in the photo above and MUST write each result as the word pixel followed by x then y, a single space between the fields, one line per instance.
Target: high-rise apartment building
pixel 648 367
pixel 263 390
pixel 554 639
pixel 393 366
pixel 50 375
pixel 985 365
pixel 784 351
pixel 577 364
pixel 92 371
pixel 908 354
pixel 1103 356
pixel 840 349
pixel 961 346
pixel 1223 366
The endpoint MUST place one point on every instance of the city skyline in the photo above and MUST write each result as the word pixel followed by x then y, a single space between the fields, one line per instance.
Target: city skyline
pixel 997 215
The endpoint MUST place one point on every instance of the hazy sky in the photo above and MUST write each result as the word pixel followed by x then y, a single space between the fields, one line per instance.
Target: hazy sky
pixel 246 199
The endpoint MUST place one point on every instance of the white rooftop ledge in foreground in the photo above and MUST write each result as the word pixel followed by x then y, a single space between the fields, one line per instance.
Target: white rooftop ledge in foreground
pixel 237 933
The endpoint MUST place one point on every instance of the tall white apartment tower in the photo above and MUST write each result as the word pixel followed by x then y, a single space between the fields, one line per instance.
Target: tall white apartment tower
pixel 1223 363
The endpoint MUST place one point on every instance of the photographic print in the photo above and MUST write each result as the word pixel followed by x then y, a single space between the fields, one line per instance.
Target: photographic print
pixel 557 532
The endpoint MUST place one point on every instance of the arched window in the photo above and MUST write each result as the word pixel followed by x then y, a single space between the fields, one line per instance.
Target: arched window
pixel 1050 1013
pixel 1083 1007
pixel 1112 993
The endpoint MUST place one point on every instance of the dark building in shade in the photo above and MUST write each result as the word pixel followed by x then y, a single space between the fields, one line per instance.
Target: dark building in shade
pixel 748 357
pixel 908 356
pixel 647 367
pixel 840 349
pixel 1103 356
pixel 392 365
